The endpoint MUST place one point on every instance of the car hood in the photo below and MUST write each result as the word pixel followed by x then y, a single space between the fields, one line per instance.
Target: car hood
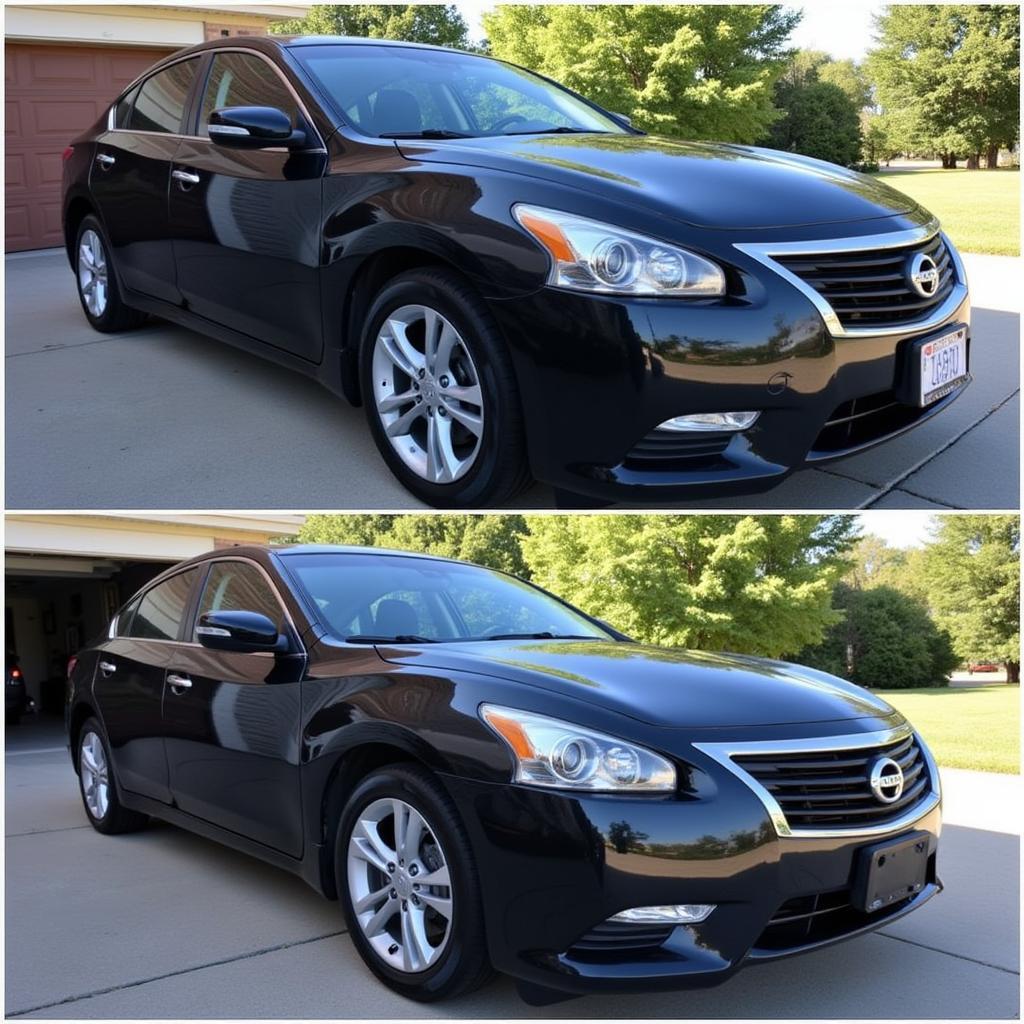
pixel 658 685
pixel 705 184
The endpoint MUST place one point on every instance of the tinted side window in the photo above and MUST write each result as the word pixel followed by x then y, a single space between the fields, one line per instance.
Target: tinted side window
pixel 161 610
pixel 160 105
pixel 240 81
pixel 239 587
pixel 124 108
pixel 124 620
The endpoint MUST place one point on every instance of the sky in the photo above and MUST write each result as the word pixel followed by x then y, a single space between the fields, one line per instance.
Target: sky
pixel 899 529
pixel 840 29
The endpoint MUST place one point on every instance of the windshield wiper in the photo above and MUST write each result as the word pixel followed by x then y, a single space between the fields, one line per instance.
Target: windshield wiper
pixel 534 636
pixel 561 130
pixel 401 638
pixel 426 133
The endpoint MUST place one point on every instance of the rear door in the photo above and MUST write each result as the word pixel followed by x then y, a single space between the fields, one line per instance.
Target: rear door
pixel 131 175
pixel 129 682
pixel 247 222
pixel 232 720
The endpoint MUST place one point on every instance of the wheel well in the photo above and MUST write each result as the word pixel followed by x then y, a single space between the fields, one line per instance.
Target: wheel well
pixel 77 212
pixel 348 769
pixel 372 275
pixel 79 716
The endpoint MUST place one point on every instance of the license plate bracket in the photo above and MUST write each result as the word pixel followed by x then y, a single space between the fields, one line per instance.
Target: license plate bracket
pixel 934 367
pixel 888 872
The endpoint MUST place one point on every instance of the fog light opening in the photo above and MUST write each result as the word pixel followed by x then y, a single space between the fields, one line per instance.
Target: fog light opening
pixel 710 421
pixel 680 913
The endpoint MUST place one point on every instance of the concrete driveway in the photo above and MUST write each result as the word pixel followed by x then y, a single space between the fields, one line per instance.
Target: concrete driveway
pixel 165 418
pixel 165 924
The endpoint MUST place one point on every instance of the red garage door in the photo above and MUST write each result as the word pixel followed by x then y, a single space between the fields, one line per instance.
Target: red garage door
pixel 53 93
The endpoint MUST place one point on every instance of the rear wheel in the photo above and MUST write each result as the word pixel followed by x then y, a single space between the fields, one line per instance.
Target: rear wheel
pixel 96 780
pixel 409 888
pixel 440 393
pixel 98 290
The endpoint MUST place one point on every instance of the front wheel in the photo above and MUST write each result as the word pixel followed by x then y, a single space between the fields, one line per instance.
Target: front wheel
pixel 440 393
pixel 409 888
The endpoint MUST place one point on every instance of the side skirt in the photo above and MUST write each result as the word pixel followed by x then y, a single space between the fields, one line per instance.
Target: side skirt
pixel 307 868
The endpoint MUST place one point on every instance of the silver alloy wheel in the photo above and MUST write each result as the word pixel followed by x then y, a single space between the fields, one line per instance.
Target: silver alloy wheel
pixel 92 764
pixel 399 885
pixel 92 272
pixel 427 392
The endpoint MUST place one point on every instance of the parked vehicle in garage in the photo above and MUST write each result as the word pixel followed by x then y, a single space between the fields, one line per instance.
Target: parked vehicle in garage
pixel 486 777
pixel 15 695
pixel 514 282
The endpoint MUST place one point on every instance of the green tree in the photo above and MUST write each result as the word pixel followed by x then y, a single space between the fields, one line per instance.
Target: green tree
pixel 818 120
pixel 752 584
pixel 950 75
pixel 491 540
pixel 440 24
pixel 973 576
pixel 885 639
pixel 700 71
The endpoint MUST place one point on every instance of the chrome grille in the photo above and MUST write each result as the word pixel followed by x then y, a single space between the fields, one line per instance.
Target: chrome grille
pixel 831 789
pixel 872 288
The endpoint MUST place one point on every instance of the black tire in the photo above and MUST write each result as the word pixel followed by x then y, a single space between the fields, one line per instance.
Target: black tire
pixel 116 818
pixel 463 966
pixel 115 315
pixel 501 469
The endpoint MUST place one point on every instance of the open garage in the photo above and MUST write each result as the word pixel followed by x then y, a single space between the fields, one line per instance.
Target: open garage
pixel 67 575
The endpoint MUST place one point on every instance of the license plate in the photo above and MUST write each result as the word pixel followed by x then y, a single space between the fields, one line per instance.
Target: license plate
pixel 943 366
pixel 889 872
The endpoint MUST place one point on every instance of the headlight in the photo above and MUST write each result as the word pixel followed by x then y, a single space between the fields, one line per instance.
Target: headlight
pixel 593 257
pixel 560 755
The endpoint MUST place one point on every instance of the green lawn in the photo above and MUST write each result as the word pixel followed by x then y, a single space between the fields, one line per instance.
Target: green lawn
pixel 980 210
pixel 976 727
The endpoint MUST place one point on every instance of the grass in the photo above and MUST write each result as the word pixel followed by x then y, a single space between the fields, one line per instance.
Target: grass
pixel 969 727
pixel 979 210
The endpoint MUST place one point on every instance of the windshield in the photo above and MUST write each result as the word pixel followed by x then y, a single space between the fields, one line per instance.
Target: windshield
pixel 396 91
pixel 367 598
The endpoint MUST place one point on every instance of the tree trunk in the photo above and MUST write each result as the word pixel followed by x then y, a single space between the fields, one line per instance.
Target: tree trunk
pixel 992 157
pixel 974 161
pixel 1013 672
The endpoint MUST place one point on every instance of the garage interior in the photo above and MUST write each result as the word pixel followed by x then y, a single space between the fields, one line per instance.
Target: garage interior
pixel 53 606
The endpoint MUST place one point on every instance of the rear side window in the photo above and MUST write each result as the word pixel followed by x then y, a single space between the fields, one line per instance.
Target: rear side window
pixel 238 80
pixel 123 110
pixel 160 104
pixel 161 609
pixel 239 587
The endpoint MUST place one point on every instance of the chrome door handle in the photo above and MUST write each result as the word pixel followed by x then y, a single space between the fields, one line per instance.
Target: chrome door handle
pixel 185 177
pixel 105 160
pixel 108 668
pixel 178 682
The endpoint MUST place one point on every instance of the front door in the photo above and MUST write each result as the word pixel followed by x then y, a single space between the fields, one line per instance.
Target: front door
pixel 232 721
pixel 130 177
pixel 129 684
pixel 246 223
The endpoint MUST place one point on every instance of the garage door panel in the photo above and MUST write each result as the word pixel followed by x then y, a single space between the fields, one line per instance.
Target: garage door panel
pixel 53 93
pixel 14 170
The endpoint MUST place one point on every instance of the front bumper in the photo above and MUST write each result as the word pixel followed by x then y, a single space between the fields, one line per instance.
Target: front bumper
pixel 597 375
pixel 554 867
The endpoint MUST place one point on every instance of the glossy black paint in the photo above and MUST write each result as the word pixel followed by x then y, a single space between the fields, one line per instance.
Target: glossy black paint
pixel 280 251
pixel 261 751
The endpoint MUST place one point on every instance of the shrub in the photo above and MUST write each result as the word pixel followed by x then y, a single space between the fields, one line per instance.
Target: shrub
pixel 892 639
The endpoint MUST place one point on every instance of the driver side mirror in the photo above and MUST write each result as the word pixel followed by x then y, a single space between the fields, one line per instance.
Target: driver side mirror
pixel 244 632
pixel 253 128
pixel 625 118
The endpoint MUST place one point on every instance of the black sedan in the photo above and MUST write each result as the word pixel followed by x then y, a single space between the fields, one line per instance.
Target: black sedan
pixel 487 778
pixel 514 282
